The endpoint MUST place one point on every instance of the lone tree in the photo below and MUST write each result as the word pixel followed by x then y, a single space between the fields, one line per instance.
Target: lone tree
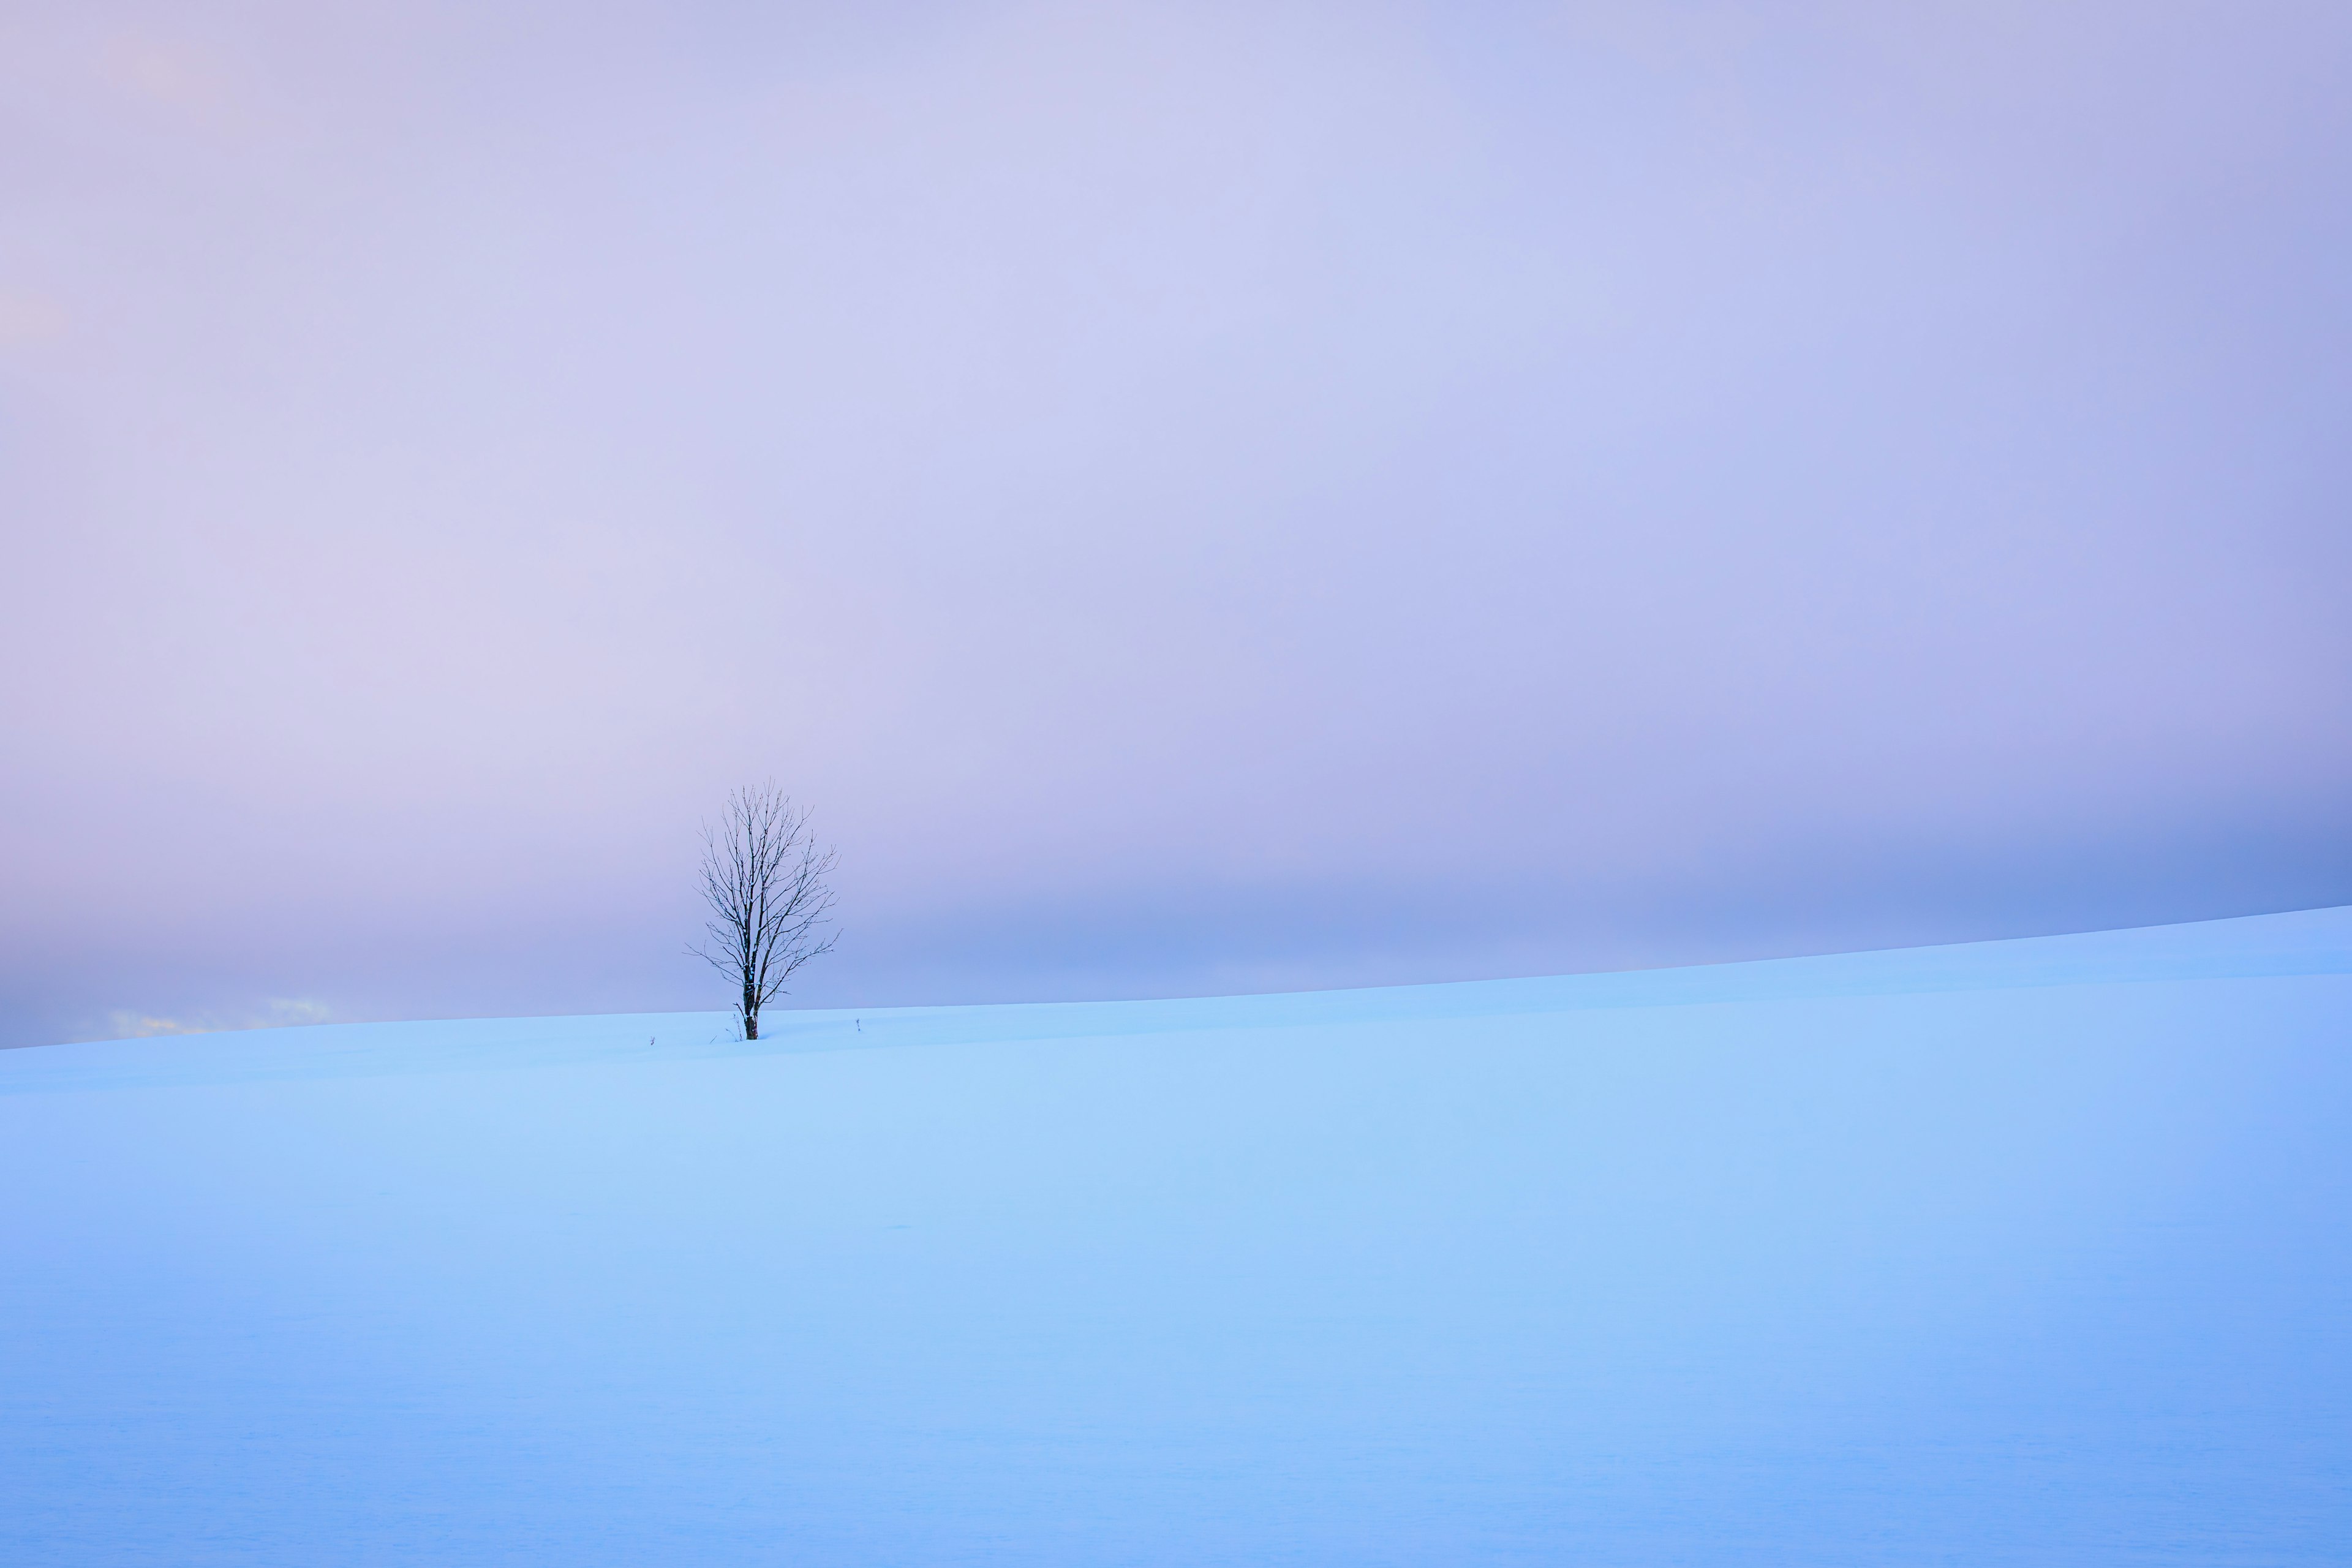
pixel 763 876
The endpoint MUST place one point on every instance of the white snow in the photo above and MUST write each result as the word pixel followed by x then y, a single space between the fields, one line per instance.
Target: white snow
pixel 2023 1251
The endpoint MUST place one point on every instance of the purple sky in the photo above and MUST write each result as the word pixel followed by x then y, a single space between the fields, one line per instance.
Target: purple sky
pixel 1197 497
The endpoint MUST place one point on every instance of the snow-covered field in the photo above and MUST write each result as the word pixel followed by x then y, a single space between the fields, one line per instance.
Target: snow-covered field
pixel 2023 1252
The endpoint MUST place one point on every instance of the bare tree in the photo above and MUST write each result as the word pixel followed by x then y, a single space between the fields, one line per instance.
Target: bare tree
pixel 764 879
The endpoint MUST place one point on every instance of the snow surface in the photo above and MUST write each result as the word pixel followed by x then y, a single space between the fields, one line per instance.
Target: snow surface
pixel 2019 1252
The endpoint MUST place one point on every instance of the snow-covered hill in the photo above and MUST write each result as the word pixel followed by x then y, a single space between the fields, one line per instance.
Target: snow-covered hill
pixel 2027 1251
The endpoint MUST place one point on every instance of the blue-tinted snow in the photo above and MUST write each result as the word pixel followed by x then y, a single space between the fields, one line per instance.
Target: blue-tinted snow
pixel 2021 1252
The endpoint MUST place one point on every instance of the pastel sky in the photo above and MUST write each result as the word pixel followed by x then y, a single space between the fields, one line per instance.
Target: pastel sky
pixel 1197 497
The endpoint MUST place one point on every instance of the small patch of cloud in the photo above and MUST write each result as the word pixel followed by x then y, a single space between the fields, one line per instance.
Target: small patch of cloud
pixel 278 1013
pixel 171 74
pixel 30 318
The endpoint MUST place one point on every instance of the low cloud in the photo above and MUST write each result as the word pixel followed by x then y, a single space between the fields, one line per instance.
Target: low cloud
pixel 278 1012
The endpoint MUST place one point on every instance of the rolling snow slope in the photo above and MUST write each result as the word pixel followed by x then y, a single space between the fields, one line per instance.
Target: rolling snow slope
pixel 2025 1251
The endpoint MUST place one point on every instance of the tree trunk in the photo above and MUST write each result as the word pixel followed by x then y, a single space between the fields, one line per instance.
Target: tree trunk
pixel 751 1014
